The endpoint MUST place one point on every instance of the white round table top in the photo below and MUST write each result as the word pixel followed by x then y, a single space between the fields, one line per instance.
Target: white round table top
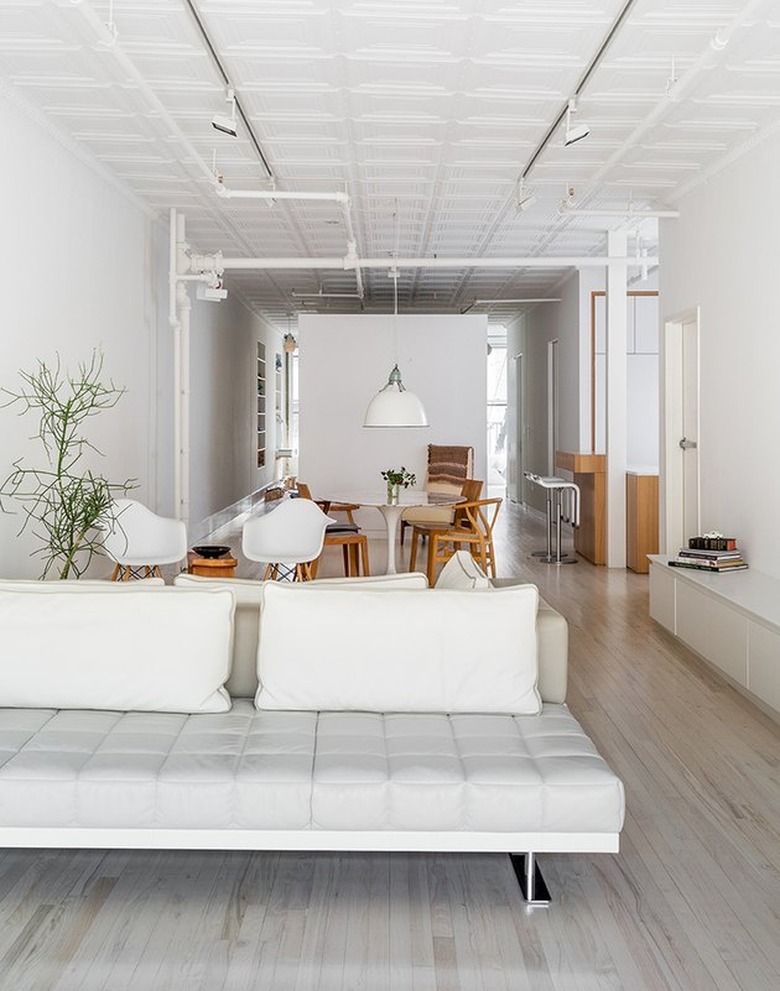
pixel 406 497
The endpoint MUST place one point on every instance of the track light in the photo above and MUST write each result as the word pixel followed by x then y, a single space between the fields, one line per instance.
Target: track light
pixel 221 122
pixel 523 199
pixel 577 133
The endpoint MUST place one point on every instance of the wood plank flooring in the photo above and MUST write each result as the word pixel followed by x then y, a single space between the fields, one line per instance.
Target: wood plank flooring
pixel 691 903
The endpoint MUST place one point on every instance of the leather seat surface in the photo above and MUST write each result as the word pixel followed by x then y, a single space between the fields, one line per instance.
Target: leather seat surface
pixel 250 769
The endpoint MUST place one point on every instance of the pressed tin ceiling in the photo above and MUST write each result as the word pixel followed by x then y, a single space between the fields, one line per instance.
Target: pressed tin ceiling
pixel 425 112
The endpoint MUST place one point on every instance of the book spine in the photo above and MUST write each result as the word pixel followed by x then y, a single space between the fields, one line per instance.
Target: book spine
pixel 713 543
pixel 709 555
pixel 714 569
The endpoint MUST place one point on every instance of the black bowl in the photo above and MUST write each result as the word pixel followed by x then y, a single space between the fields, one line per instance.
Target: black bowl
pixel 211 550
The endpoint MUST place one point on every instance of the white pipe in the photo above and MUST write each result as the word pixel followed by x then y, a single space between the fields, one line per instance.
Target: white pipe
pixel 173 317
pixel 626 214
pixel 110 43
pixel 708 58
pixel 184 401
pixel 335 197
pixel 172 267
pixel 273 194
pixel 533 261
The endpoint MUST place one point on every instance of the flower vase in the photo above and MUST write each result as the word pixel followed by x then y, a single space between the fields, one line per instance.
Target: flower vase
pixel 392 493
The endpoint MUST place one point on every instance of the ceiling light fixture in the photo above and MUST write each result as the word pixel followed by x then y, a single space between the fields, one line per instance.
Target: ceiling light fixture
pixel 523 199
pixel 577 132
pixel 394 405
pixel 221 122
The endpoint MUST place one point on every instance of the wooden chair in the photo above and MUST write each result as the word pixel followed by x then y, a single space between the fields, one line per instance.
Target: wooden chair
pixel 470 491
pixel 353 543
pixel 477 534
pixel 448 468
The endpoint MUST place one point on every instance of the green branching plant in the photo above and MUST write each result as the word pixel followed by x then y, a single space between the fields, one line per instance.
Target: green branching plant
pixel 64 500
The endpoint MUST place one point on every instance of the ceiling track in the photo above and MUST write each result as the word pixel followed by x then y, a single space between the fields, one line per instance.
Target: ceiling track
pixel 591 68
pixel 228 84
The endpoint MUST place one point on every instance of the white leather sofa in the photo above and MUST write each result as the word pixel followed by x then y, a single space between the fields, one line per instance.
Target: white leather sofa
pixel 385 718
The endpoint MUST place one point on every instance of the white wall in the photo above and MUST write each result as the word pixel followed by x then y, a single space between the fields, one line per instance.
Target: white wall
pixel 223 350
pixel 79 263
pixel 723 255
pixel 85 267
pixel 345 360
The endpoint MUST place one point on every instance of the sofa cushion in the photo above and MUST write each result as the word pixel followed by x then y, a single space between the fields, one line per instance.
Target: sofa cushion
pixel 242 682
pixel 115 647
pixel 398 651
pixel 462 571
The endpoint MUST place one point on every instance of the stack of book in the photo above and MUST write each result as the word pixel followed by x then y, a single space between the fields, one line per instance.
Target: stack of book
pixel 716 554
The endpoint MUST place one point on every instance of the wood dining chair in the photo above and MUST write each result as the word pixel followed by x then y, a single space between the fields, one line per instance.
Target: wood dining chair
pixel 476 533
pixel 470 492
pixel 348 536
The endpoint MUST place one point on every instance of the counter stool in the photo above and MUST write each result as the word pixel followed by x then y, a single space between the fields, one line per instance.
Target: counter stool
pixel 563 506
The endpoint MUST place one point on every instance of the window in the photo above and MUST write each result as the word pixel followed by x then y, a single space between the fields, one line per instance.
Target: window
pixel 496 414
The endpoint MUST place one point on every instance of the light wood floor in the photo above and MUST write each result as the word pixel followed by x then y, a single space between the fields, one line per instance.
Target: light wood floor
pixel 691 903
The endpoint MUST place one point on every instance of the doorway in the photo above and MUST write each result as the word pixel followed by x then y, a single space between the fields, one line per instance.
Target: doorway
pixel 680 493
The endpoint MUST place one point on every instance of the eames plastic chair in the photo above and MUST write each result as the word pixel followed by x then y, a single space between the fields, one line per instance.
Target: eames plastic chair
pixel 139 541
pixel 287 539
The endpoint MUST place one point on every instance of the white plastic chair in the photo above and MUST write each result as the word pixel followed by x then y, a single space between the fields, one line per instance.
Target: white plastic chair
pixel 139 541
pixel 287 539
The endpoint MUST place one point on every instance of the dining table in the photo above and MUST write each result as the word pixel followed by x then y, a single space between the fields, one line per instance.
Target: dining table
pixel 391 511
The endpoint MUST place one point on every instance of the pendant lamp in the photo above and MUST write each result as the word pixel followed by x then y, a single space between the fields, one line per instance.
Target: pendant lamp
pixel 395 406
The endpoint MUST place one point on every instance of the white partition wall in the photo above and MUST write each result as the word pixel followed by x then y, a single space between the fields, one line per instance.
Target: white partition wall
pixel 345 360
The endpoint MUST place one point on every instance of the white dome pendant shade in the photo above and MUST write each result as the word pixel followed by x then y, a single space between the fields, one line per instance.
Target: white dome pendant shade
pixel 395 406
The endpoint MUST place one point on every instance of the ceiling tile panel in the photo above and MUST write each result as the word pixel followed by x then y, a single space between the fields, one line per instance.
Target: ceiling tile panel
pixel 425 111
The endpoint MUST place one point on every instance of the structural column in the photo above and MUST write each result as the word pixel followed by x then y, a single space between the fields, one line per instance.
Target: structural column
pixel 617 401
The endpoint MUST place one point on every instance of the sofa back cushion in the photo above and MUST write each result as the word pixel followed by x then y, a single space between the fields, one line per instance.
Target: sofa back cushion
pixel 242 682
pixel 398 651
pixel 463 572
pixel 118 646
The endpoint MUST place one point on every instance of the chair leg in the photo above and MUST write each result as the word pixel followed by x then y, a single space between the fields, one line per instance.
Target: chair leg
pixel 346 554
pixel 115 573
pixel 364 554
pixel 354 560
pixel 413 552
pixel 433 547
pixel 404 525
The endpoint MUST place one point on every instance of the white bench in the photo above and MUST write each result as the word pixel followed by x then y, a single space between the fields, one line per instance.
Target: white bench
pixel 730 620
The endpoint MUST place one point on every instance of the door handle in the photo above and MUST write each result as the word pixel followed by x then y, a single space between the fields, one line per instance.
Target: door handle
pixel 688 445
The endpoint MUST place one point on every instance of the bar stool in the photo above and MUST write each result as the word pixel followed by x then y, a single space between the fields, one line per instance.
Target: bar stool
pixel 563 506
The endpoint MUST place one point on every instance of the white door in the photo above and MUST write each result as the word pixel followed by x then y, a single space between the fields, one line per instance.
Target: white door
pixel 681 433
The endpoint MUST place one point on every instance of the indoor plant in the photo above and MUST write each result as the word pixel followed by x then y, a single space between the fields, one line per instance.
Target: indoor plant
pixel 395 478
pixel 64 500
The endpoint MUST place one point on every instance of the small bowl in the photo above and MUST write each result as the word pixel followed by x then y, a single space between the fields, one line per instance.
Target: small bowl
pixel 211 550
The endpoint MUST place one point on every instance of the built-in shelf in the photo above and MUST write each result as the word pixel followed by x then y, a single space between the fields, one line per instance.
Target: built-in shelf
pixel 731 620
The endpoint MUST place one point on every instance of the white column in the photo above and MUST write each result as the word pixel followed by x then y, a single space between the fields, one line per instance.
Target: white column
pixel 617 376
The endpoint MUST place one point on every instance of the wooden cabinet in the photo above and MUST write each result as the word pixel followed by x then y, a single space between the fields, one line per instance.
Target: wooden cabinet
pixel 590 474
pixel 641 520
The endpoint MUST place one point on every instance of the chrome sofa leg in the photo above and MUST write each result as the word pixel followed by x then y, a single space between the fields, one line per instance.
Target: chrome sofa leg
pixel 529 877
